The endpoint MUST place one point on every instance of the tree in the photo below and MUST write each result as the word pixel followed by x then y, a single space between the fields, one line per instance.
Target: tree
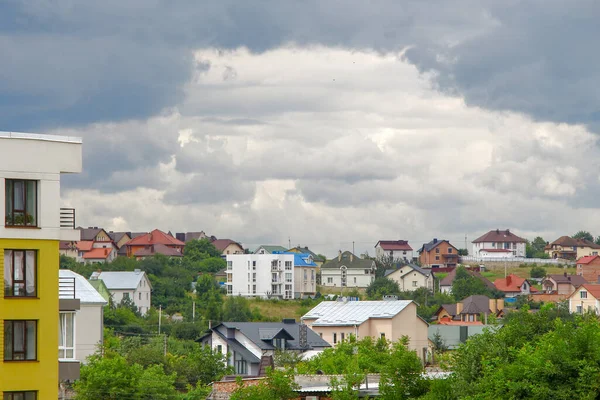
pixel 197 250
pixel 381 287
pixel 583 235
pixel 279 385
pixel 465 285
pixel 237 309
pixel 463 252
pixel 538 272
pixel 402 377
pixel 212 264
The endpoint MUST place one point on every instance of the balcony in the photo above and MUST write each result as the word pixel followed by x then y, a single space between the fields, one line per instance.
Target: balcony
pixel 66 294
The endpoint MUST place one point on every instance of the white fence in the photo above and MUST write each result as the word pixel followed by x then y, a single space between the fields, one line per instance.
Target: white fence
pixel 520 260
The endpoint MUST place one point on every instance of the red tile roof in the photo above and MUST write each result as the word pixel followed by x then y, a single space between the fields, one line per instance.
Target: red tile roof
pixel 158 249
pixel 586 259
pixel 155 237
pixel 592 288
pixel 511 283
pixel 65 245
pixel 100 253
pixel 394 245
pixel 501 236
pixel 84 245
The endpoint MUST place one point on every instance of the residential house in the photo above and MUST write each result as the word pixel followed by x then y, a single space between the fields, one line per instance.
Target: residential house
pixel 589 268
pixel 269 249
pixel 157 248
pixel 67 248
pixel 120 239
pixel 150 239
pixel 568 248
pixel 94 234
pixel 513 286
pixel 410 277
pixel 93 239
pixel 488 244
pixel 100 255
pixel 228 246
pixel 33 224
pixel 305 275
pixel 585 299
pixel 394 249
pixel 133 285
pixel 348 270
pixel 474 309
pixel 261 275
pixel 336 321
pixel 244 344
pixel 188 236
pixel 562 283
pixel 448 280
pixel 438 254
pixel 81 330
pixel 318 259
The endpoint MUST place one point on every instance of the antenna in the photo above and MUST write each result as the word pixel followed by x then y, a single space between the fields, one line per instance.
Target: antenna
pixel 289 243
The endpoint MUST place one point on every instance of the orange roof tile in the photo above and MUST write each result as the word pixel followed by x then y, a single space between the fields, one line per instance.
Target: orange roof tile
pixel 101 253
pixel 586 259
pixel 511 283
pixel 84 245
pixel 155 237
pixel 592 288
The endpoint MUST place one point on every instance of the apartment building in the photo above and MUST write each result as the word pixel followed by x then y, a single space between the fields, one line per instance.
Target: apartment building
pixel 260 275
pixel 33 223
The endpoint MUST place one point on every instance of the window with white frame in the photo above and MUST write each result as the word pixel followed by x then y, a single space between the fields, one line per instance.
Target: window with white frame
pixel 66 335
pixel 329 280
pixel 583 294
pixel 288 265
pixel 288 276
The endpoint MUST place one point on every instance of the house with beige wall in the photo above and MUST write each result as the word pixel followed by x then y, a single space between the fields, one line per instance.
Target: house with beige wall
pixel 336 321
pixel 411 277
pixel 568 248
pixel 585 299
pixel 228 246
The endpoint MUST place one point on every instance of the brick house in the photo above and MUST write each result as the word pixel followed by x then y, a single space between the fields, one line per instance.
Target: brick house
pixel 589 268
pixel 438 254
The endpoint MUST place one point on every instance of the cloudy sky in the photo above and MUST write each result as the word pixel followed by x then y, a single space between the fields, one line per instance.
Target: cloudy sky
pixel 325 122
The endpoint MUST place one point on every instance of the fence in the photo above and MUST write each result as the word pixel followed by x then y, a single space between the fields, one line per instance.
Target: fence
pixel 520 260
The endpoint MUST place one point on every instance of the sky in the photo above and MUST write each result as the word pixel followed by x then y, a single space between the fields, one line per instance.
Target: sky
pixel 330 124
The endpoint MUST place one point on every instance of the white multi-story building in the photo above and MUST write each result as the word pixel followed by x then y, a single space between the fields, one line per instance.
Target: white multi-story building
pixel 347 270
pixel 260 275
pixel 499 244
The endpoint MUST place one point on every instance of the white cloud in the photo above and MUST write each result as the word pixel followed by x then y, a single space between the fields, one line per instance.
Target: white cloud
pixel 330 146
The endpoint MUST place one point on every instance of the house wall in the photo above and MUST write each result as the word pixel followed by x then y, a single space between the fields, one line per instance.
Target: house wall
pixel 587 304
pixel 88 330
pixel 305 281
pixel 434 258
pixel 518 249
pixel 102 236
pixel 590 271
pixel 232 248
pixel 412 281
pixel 241 267
pixel 69 253
pixel 395 254
pixel 141 296
pixel 494 254
pixel 122 241
pixel 356 277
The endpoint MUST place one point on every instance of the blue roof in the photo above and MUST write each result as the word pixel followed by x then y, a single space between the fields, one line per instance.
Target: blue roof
pixel 300 259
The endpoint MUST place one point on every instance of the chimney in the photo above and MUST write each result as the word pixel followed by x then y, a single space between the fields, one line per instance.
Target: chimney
pixel 150 236
pixel 459 308
pixel 493 304
pixel 497 231
pixel 137 271
pixel 434 240
pixel 339 255
pixel 351 257
pixel 508 232
pixel 508 280
pixel 500 304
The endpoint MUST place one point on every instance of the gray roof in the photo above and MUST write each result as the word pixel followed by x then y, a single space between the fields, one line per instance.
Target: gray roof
pixel 89 233
pixel 350 261
pixel 422 271
pixel 431 245
pixel 116 236
pixel 119 280
pixel 476 304
pixel 337 313
pixel 84 291
pixel 270 248
pixel 254 330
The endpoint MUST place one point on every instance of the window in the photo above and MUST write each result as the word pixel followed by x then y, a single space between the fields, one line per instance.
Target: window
pixel 253 289
pixel 279 343
pixel 382 335
pixel 126 295
pixel 254 264
pixel 229 289
pixel 437 251
pixel 354 279
pixel 241 367
pixel 334 338
pixel 288 265
pixel 288 276
pixel 30 395
pixel 219 349
pixel 437 258
pixel 342 336
pixel 583 294
pixel 20 340
pixel 66 335
pixel 578 309
pixel 139 296
pixel 329 280
pixel 312 274
pixel 254 277
pixel 414 283
pixel 21 203
pixel 305 274
pixel 20 273
pixel 367 272
pixel 147 296
pixel 506 246
pixel 274 278
pixel 449 250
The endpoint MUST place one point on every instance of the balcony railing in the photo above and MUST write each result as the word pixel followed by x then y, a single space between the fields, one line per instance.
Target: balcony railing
pixel 67 218
pixel 66 287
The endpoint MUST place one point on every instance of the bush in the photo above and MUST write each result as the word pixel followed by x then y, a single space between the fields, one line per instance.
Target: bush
pixel 538 272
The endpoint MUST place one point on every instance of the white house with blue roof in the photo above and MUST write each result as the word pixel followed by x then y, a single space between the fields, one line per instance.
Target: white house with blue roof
pixel 305 275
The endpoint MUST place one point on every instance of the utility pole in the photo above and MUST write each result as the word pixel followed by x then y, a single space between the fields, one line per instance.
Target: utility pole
pixel 289 243
pixel 159 317
pixel 165 345
pixel 353 247
pixel 193 310
pixel 466 242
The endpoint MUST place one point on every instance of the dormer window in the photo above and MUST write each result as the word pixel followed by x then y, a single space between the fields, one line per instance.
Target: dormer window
pixel 20 203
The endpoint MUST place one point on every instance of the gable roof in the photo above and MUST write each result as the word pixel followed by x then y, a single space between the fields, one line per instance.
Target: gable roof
pixel 502 236
pixel 221 244
pixel 66 245
pixel 586 259
pixel 302 260
pixel 270 248
pixel 155 237
pixel 305 249
pixel 117 236
pixel 449 279
pixel 575 280
pixel 450 309
pixel 392 245
pixel 84 291
pixel 260 332
pixel 433 244
pixel 89 233
pixel 476 304
pixel 413 267
pixel 119 280
pixel 84 245
pixel 511 283
pixel 592 288
pixel 339 313
pixel 158 249
pixel 349 260
pixel 97 254
pixel 569 241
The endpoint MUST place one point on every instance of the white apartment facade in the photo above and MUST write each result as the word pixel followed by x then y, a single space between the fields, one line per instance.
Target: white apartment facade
pixel 260 275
